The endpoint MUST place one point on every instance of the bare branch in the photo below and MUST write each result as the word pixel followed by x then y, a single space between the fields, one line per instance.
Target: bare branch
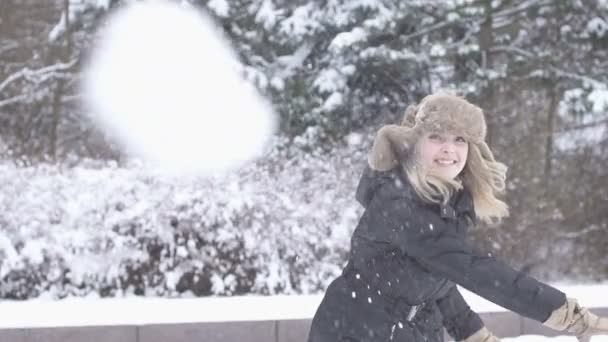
pixel 589 80
pixel 429 29
pixel 12 100
pixel 8 45
pixel 498 16
pixel 512 49
pixel 42 73
pixel 71 98
pixel 575 235
pixel 501 18
pixel 524 7
pixel 295 61
pixel 583 126
pixel 466 37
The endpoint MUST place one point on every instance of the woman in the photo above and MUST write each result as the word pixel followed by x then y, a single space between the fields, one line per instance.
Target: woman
pixel 428 180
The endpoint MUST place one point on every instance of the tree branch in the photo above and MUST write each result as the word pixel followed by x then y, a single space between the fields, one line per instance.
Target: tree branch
pixel 12 100
pixel 8 45
pixel 429 29
pixel 575 235
pixel 589 80
pixel 524 7
pixel 512 49
pixel 44 72
pixel 583 126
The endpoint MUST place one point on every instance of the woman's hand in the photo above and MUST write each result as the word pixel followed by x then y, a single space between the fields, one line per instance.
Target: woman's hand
pixel 588 324
pixel 573 318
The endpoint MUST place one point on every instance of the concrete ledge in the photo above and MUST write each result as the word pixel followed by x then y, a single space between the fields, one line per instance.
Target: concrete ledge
pixel 78 334
pixel 293 330
pixel 12 335
pixel 209 332
pixel 503 324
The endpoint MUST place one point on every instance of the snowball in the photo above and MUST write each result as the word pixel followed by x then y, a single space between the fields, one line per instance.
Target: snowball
pixel 164 83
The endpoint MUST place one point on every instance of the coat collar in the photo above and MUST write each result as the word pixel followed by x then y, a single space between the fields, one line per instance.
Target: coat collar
pixel 461 202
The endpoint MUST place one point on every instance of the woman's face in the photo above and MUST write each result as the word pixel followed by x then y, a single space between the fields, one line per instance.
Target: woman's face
pixel 442 154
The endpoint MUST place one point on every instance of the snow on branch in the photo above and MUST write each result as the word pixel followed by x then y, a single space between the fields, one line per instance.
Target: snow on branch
pixel 39 73
pixel 583 126
pixel 503 18
pixel 512 49
pixel 588 80
pixel 77 10
pixel 7 46
pixel 12 100
pixel 524 7
pixel 576 235
pixel 430 29
pixel 296 60
pixel 36 76
pixel 383 38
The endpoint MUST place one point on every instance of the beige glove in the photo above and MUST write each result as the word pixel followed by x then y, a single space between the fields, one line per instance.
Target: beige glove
pixel 573 318
pixel 482 335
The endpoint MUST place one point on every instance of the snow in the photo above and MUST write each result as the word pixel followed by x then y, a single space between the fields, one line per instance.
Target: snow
pixel 330 80
pixel 599 100
pixel 301 22
pixel 333 101
pixel 267 15
pixel 597 27
pixel 219 7
pixel 347 39
pixel 139 311
pixel 292 62
pixel 168 96
pixel 96 219
pixel 576 101
pixel 437 50
pixel 354 139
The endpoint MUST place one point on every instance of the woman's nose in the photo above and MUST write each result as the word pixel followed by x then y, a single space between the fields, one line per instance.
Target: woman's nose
pixel 447 148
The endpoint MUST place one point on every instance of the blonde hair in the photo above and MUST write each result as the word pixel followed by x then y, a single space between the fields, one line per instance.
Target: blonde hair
pixel 482 176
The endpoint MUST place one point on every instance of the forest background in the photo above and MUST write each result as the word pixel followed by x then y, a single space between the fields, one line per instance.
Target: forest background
pixel 78 217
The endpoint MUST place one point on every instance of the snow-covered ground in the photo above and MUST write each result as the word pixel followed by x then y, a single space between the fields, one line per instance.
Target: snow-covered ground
pixel 140 311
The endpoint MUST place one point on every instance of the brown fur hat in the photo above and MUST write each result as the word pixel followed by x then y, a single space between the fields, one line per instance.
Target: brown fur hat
pixel 440 112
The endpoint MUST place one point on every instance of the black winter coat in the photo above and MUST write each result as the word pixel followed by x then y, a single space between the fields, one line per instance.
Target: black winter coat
pixel 405 261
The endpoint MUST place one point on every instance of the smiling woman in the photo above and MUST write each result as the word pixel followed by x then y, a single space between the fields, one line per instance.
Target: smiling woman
pixel 443 154
pixel 428 180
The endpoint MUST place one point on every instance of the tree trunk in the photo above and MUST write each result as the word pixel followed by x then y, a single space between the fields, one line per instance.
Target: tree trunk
pixel 486 41
pixel 553 101
pixel 60 89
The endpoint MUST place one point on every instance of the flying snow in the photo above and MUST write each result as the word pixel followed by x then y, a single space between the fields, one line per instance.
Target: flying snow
pixel 165 84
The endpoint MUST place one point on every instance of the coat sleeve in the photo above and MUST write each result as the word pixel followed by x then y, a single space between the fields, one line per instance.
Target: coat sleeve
pixel 420 233
pixel 458 318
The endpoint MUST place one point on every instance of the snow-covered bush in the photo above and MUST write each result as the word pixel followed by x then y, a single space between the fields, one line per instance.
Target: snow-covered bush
pixel 278 226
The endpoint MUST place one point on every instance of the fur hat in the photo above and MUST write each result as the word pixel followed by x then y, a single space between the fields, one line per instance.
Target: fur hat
pixel 440 112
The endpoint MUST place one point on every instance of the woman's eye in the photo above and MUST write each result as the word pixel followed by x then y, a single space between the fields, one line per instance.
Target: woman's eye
pixel 461 140
pixel 434 137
